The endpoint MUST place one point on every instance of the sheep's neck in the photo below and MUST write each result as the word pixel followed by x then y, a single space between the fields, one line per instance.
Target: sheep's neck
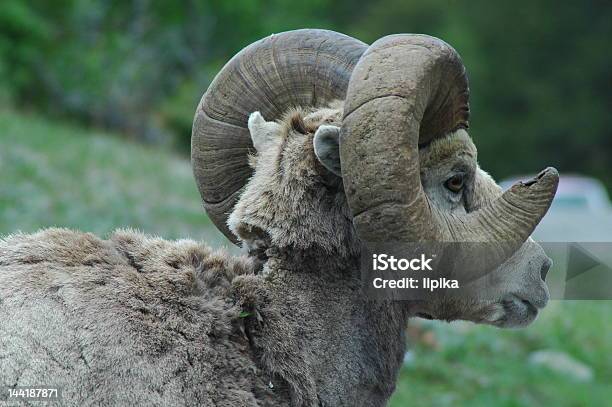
pixel 313 261
pixel 349 348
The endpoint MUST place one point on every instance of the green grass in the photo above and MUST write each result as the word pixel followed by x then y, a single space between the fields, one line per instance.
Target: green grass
pixel 53 174
pixel 475 365
pixel 63 175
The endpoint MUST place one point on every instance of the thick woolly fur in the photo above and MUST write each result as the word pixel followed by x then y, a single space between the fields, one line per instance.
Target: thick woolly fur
pixel 293 201
pixel 134 320
pixel 131 320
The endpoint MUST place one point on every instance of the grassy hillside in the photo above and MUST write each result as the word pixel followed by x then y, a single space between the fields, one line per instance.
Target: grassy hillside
pixel 61 175
pixel 57 175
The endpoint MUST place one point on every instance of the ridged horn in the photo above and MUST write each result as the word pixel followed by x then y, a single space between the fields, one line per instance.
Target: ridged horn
pixel 405 91
pixel 308 67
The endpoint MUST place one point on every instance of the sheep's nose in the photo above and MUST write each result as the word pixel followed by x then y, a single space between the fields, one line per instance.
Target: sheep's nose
pixel 546 265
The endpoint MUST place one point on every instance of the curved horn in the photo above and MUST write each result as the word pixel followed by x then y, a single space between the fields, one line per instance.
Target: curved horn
pixel 405 91
pixel 295 68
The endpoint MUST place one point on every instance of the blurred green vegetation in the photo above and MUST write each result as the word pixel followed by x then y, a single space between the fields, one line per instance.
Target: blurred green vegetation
pixel 462 364
pixel 54 175
pixel 540 72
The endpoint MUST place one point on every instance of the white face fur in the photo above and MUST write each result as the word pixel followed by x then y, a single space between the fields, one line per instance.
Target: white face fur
pixel 453 182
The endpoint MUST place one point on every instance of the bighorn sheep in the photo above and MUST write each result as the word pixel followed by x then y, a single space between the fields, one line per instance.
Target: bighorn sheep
pixel 361 144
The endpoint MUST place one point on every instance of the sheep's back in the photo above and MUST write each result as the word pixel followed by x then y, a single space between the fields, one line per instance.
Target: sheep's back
pixel 128 320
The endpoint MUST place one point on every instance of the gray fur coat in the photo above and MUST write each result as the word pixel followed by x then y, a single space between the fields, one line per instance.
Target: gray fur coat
pixel 131 320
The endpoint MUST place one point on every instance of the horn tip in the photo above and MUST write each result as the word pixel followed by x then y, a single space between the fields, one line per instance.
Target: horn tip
pixel 546 182
pixel 549 175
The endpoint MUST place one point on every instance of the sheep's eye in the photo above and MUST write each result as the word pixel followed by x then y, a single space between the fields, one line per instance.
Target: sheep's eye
pixel 455 183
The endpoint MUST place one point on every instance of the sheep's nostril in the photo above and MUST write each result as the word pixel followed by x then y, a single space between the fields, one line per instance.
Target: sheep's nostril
pixel 545 267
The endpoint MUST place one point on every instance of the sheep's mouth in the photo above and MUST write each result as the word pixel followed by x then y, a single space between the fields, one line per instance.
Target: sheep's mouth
pixel 530 307
pixel 517 312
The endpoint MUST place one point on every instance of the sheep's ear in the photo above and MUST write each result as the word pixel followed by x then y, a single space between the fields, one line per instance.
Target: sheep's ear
pixel 263 133
pixel 327 148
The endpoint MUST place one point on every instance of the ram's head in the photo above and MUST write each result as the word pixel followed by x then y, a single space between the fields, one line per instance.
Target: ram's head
pixel 394 163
